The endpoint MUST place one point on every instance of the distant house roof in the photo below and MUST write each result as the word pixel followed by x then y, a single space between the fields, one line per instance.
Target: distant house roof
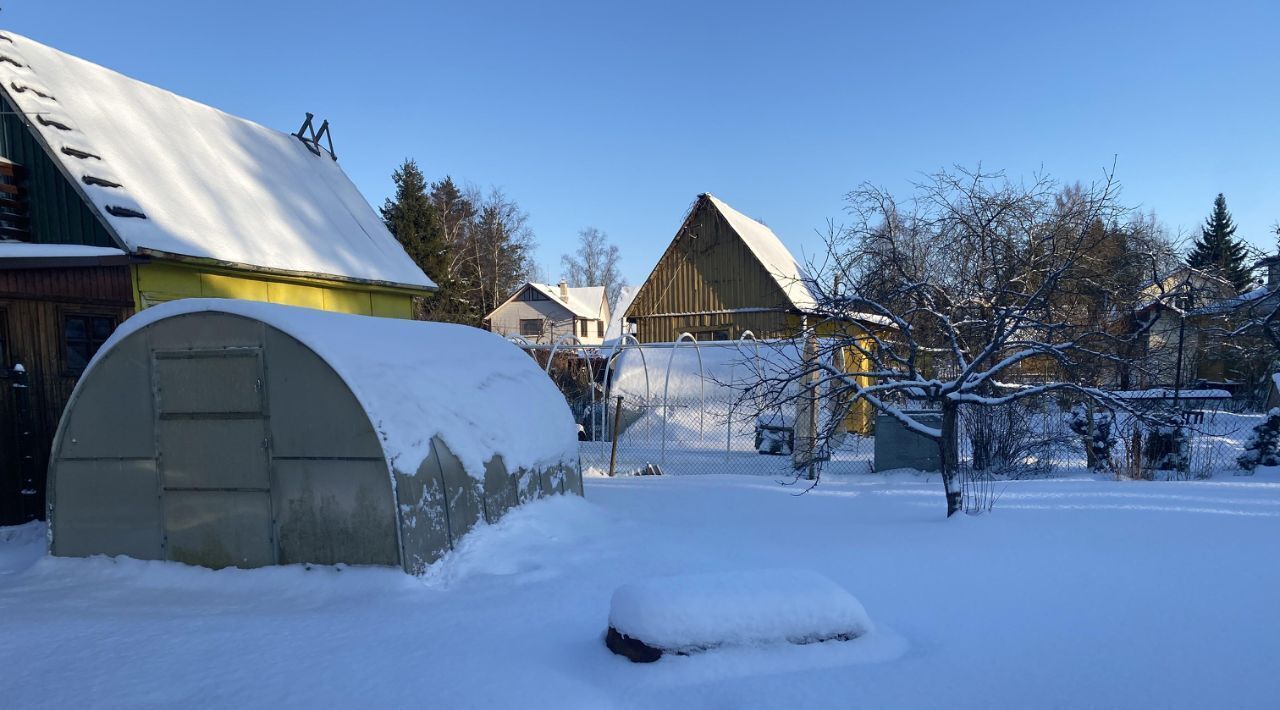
pixel 584 301
pixel 617 321
pixel 171 176
pixel 789 274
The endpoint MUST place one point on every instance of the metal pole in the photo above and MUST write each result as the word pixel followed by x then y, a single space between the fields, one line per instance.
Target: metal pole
pixel 613 447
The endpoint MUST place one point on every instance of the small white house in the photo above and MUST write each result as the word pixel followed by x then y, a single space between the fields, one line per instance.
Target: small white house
pixel 542 313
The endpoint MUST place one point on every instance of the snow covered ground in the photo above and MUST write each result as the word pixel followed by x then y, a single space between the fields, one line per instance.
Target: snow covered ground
pixel 1072 593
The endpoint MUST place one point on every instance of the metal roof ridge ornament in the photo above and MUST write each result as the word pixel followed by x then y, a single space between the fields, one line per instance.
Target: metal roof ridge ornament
pixel 310 137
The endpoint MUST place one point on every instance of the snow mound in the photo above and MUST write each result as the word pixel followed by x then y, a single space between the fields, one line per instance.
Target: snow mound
pixel 696 612
pixel 526 544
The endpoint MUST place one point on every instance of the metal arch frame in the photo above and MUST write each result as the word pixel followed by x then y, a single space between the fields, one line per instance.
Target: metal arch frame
pixel 610 369
pixel 591 375
pixel 728 428
pixel 666 388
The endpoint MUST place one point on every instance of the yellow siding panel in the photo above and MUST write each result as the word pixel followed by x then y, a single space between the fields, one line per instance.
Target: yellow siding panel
pixel 219 286
pixel 157 282
pixel 389 305
pixel 164 278
pixel 296 295
pixel 343 301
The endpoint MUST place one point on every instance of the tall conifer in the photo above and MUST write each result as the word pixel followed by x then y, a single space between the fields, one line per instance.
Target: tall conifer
pixel 1218 251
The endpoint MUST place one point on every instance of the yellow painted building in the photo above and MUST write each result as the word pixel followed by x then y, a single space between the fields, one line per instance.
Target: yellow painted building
pixel 116 195
pixel 203 204
pixel 159 281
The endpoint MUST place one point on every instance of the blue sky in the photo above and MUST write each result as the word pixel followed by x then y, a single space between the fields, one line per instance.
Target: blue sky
pixel 617 115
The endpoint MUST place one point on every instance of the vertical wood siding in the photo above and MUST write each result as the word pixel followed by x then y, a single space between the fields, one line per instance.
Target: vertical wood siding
pixel 707 272
pixel 33 303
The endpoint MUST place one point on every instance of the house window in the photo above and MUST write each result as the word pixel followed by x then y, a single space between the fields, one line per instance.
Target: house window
pixel 533 294
pixel 599 329
pixel 82 335
pixel 531 326
pixel 582 331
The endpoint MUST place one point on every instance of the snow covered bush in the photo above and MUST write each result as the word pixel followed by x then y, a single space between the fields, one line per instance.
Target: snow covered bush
pixel 1099 439
pixel 1262 447
pixel 1168 449
pixel 1015 440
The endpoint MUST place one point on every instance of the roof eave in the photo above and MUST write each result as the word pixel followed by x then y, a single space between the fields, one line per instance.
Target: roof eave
pixel 207 261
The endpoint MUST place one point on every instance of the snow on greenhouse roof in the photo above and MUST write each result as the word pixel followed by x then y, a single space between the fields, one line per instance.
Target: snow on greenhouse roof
pixel 416 380
pixel 169 175
pixel 789 274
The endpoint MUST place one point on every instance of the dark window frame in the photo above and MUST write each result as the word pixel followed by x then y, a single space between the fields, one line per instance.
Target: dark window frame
pixel 92 340
pixel 542 325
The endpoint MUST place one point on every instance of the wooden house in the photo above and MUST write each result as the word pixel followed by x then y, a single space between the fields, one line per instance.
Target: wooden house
pixel 541 313
pixel 722 275
pixel 1179 348
pixel 725 274
pixel 116 195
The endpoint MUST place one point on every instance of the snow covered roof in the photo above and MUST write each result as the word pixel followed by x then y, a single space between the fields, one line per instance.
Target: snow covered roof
pixel 417 380
pixel 584 301
pixel 10 249
pixel 618 318
pixel 789 274
pixel 172 176
pixel 1168 393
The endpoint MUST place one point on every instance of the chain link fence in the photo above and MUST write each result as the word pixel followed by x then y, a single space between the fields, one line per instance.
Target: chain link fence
pixel 677 408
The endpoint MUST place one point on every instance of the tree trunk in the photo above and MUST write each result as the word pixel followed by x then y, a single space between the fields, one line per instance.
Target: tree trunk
pixel 947 457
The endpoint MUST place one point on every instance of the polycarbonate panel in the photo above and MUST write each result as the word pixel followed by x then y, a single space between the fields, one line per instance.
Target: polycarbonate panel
pixel 218 528
pixel 335 511
pixel 209 381
pixel 213 453
pixel 106 507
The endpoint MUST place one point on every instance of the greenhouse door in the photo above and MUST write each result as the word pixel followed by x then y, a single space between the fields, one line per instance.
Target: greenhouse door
pixel 212 449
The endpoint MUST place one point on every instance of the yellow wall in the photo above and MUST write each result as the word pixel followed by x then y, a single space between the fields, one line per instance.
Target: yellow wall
pixel 158 281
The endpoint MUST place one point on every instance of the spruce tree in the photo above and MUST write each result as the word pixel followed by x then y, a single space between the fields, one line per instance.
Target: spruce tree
pixel 412 218
pixel 1218 251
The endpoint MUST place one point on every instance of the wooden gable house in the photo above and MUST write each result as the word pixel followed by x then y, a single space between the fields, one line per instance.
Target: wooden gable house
pixel 722 275
pixel 116 195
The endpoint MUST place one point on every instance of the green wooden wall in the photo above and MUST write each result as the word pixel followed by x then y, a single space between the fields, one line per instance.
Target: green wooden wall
pixel 58 214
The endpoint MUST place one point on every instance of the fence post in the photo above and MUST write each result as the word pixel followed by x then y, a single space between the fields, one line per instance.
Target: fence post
pixel 613 445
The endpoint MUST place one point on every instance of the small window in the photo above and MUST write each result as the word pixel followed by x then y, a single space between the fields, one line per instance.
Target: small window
pixel 582 331
pixel 82 335
pixel 530 326
pixel 599 329
pixel 533 294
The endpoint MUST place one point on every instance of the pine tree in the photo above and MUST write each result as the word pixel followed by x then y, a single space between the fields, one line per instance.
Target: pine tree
pixel 412 218
pixel 1217 250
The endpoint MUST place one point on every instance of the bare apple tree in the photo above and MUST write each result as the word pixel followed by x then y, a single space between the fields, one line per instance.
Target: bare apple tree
pixel 977 291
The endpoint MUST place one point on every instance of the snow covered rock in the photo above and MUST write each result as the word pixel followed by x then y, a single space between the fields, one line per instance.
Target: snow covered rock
pixel 697 612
